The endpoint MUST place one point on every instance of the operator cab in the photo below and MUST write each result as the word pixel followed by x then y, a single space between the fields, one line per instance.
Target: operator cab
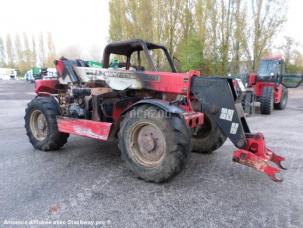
pixel 137 55
pixel 270 69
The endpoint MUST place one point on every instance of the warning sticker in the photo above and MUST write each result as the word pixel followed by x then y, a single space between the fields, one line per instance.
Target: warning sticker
pixel 227 114
pixel 234 128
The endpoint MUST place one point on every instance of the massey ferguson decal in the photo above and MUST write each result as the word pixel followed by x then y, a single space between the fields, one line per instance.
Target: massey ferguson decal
pixel 168 82
pixel 118 80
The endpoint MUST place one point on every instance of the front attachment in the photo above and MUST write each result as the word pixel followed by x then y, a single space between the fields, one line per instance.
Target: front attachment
pixel 257 155
pixel 220 99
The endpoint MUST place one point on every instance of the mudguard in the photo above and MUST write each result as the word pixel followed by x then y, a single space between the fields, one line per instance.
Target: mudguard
pixel 164 105
pixel 45 86
pixel 192 119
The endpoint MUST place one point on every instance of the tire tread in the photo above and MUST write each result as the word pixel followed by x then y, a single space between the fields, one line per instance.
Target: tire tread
pixel 177 152
pixel 266 100
pixel 55 140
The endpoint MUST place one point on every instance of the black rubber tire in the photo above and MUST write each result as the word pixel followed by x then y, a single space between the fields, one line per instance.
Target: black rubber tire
pixel 54 139
pixel 177 137
pixel 267 100
pixel 283 102
pixel 208 138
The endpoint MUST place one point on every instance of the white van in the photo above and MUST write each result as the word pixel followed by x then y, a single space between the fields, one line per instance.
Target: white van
pixel 8 74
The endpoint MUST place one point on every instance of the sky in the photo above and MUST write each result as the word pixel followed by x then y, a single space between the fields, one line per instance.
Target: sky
pixel 72 23
pixel 85 23
pixel 293 27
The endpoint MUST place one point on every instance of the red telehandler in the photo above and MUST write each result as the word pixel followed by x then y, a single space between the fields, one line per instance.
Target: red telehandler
pixel 267 86
pixel 157 117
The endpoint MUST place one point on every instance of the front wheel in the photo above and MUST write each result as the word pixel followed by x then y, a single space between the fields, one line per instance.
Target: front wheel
pixel 283 102
pixel 154 146
pixel 267 100
pixel 41 124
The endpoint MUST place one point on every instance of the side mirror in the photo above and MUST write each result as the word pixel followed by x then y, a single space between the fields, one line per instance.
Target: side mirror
pixel 291 80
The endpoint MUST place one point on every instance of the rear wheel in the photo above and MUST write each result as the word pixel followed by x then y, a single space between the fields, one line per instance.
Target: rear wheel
pixel 208 138
pixel 267 100
pixel 41 124
pixel 155 147
pixel 283 102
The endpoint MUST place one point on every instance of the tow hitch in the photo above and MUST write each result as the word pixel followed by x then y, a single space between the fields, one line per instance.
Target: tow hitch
pixel 258 156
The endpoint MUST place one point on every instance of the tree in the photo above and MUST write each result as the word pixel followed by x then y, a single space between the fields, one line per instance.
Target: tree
pixel 296 63
pixel 27 50
pixel 2 53
pixel 41 49
pixel 219 33
pixel 51 50
pixel 202 17
pixel 18 50
pixel 293 58
pixel 287 48
pixel 212 41
pixel 191 56
pixel 225 33
pixel 117 8
pixel 33 59
pixel 239 40
pixel 268 17
pixel 10 51
pixel 159 21
pixel 171 20
pixel 25 63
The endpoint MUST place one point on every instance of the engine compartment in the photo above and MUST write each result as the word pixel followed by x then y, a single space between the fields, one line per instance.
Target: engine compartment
pixel 96 101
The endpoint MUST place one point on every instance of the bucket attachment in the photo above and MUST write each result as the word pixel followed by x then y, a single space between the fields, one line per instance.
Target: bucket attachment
pixel 258 156
pixel 220 98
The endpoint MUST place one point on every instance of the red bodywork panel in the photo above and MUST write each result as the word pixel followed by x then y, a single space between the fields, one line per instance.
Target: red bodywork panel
pixel 45 86
pixel 251 79
pixel 178 83
pixel 193 119
pixel 257 155
pixel 87 128
pixel 59 66
pixel 260 85
pixel 277 89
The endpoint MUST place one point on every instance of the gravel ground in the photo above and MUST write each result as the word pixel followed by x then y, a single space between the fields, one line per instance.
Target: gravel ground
pixel 87 181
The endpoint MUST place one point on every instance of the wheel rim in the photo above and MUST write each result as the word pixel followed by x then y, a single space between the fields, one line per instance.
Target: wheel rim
pixel 38 125
pixel 147 144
